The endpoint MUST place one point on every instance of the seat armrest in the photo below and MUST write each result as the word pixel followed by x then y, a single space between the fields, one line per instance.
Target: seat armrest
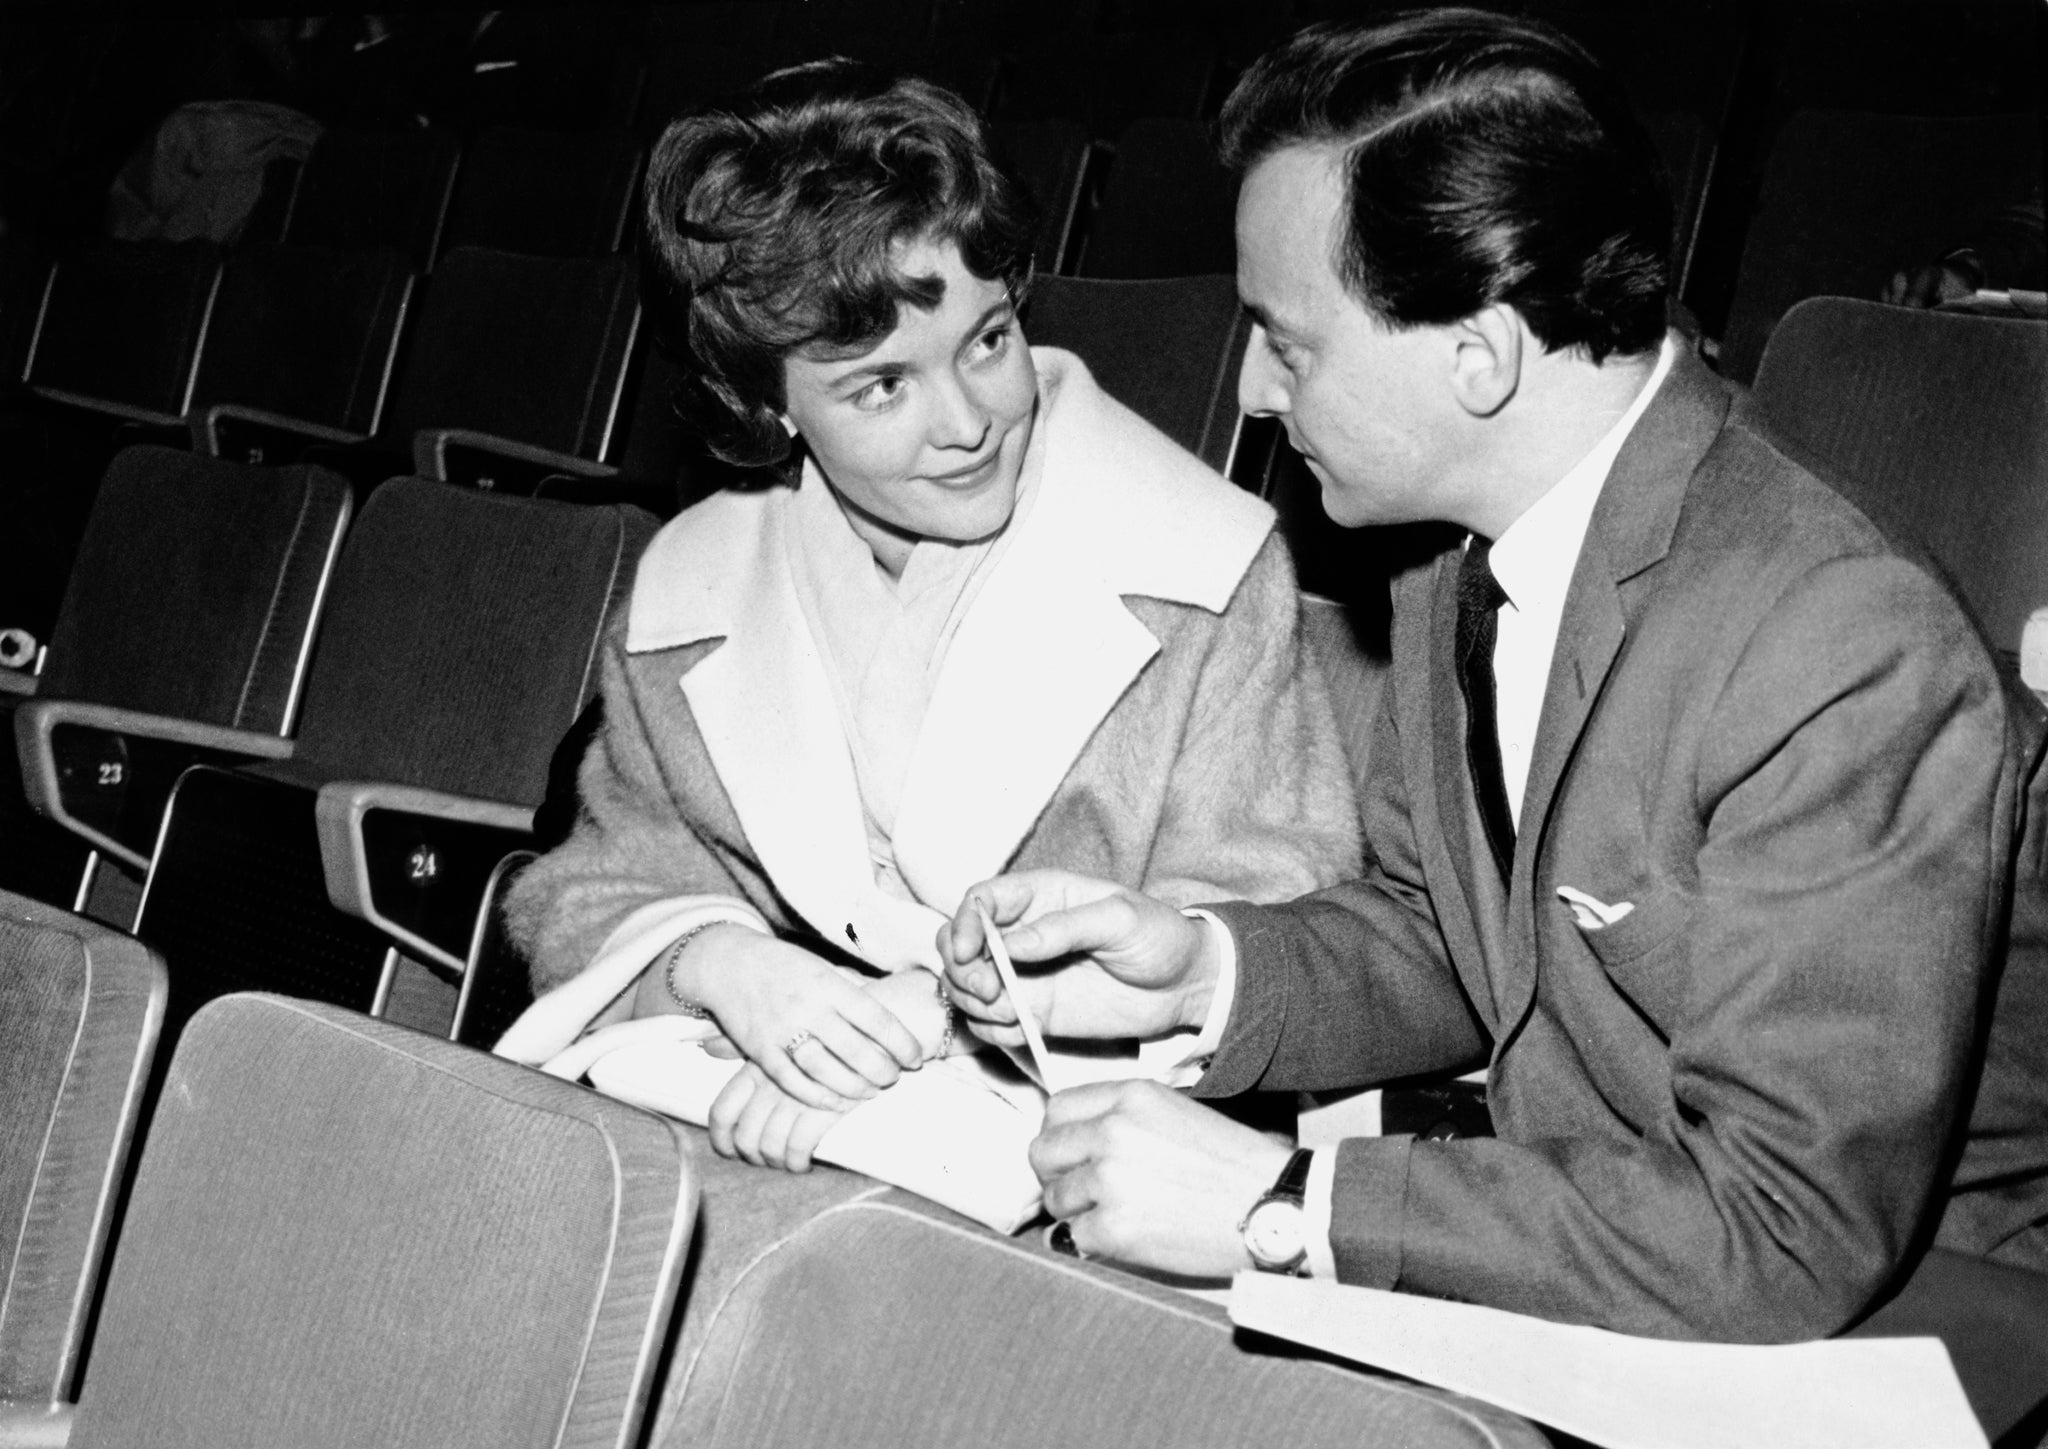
pixel 206 428
pixel 34 1426
pixel 111 407
pixel 495 988
pixel 431 448
pixel 416 863
pixel 36 723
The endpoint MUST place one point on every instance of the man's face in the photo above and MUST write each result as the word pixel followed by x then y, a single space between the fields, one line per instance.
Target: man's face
pixel 1364 404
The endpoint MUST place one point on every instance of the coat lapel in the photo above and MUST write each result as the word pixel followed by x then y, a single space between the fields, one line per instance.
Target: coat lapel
pixel 1050 646
pixel 764 707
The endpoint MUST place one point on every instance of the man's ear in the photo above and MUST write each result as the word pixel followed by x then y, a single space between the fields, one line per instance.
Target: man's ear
pixel 1486 369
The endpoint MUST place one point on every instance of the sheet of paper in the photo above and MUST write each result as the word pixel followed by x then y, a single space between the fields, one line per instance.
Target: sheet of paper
pixel 1041 1059
pixel 1631 1393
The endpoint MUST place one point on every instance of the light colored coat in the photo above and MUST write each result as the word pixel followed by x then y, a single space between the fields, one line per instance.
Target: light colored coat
pixel 1129 696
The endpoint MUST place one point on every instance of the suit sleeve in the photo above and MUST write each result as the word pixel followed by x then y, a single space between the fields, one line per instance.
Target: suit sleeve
pixel 1306 1016
pixel 635 841
pixel 1259 804
pixel 1815 987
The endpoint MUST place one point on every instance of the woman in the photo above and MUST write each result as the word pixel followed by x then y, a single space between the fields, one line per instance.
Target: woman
pixel 988 619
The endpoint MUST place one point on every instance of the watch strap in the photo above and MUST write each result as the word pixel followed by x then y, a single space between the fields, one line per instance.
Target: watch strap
pixel 1293 1179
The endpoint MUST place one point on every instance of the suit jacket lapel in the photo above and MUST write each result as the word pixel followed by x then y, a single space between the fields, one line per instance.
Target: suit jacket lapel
pixel 1630 532
pixel 1483 895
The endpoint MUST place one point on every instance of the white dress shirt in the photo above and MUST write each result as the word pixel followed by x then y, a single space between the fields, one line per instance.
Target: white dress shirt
pixel 1533 560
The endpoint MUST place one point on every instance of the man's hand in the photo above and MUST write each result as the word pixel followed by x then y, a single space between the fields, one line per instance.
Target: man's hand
pixel 1144 1176
pixel 1130 966
pixel 756 1120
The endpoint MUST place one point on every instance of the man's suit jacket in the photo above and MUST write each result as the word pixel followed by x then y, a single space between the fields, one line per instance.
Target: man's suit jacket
pixel 1733 1113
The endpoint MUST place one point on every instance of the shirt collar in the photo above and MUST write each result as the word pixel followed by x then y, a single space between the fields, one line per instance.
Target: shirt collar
pixel 1534 557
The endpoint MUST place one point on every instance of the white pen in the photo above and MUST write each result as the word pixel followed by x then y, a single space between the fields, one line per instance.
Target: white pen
pixel 1001 956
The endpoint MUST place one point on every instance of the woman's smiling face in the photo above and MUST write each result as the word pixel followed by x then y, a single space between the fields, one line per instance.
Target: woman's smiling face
pixel 923 434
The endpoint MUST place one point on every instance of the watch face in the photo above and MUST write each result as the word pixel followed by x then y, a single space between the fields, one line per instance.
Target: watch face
pixel 1276 1233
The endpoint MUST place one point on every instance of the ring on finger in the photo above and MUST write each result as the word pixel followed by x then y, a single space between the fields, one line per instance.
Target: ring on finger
pixel 789 1047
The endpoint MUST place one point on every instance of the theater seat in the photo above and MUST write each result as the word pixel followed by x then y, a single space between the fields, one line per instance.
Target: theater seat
pixel 1848 198
pixel 344 1233
pixel 459 646
pixel 362 189
pixel 513 372
pixel 121 325
pixel 1167 208
pixel 545 193
pixel 80 1009
pixel 185 633
pixel 1050 160
pixel 1167 349
pixel 1938 423
pixel 301 347
pixel 888 1322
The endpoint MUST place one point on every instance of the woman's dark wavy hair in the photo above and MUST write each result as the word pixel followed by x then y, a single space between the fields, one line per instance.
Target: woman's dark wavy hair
pixel 770 218
pixel 1489 160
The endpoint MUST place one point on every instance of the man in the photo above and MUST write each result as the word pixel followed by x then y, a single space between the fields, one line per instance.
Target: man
pixel 1690 812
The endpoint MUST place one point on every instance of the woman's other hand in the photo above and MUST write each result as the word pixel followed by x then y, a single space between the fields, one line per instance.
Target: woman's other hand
pixel 914 995
pixel 756 1120
pixel 815 1032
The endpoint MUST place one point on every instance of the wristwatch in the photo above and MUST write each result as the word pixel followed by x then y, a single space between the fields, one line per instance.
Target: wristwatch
pixel 1276 1229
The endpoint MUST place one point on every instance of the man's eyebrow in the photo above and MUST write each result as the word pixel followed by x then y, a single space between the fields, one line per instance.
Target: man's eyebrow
pixel 1261 316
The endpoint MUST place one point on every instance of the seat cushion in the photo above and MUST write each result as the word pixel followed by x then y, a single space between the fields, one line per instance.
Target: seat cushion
pixel 885 1322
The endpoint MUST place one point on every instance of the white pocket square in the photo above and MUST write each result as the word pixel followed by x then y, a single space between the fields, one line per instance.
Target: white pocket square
pixel 1591 914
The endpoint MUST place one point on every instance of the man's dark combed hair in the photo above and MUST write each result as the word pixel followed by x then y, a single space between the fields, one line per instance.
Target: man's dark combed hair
pixel 1488 160
pixel 770 221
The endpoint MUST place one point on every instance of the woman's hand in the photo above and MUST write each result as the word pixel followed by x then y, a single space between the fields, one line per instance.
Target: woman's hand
pixel 818 1035
pixel 756 1120
pixel 913 995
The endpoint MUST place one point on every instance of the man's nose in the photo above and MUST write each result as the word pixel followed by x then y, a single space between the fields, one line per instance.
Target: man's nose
pixel 1261 384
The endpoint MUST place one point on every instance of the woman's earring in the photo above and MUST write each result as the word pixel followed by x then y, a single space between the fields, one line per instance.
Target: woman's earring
pixel 788 424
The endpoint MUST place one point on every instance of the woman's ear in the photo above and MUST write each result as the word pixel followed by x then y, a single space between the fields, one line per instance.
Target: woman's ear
pixel 1487 369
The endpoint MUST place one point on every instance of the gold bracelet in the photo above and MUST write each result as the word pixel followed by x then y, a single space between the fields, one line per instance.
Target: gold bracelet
pixel 673 958
pixel 945 1005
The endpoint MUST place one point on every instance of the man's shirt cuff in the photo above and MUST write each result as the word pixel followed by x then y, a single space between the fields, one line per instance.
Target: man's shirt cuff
pixel 1322 1183
pixel 1179 1060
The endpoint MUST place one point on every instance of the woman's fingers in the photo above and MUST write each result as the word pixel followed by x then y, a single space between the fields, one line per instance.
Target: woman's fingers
pixel 886 1030
pixel 753 1120
pixel 725 1110
pixel 807 1131
pixel 809 1072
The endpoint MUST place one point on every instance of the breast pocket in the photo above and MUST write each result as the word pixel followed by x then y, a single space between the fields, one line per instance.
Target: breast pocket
pixel 1641 952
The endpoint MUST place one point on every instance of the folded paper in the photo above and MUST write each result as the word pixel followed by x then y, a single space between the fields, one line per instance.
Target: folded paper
pixel 1631 1393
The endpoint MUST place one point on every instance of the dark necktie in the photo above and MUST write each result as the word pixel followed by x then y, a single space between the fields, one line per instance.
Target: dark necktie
pixel 1479 595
